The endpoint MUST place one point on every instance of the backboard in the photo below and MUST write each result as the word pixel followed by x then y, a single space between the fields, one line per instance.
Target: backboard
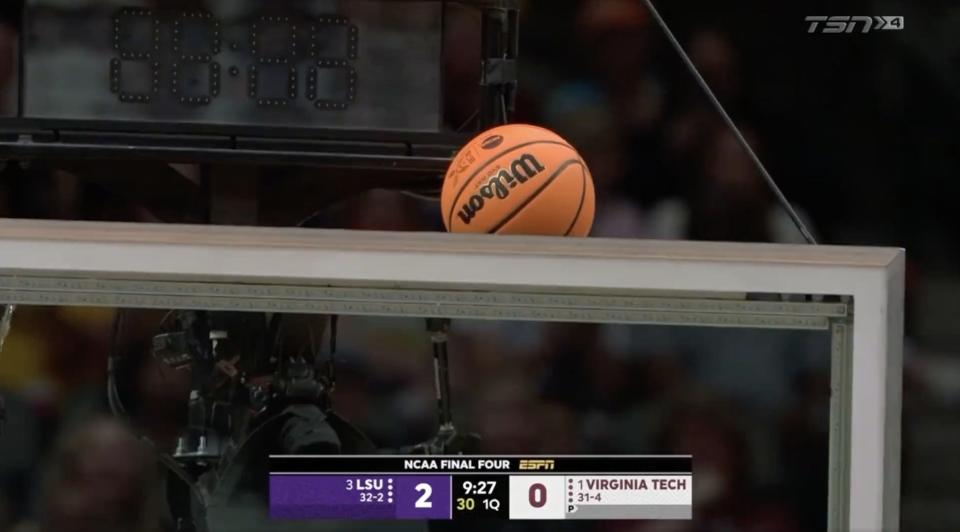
pixel 854 294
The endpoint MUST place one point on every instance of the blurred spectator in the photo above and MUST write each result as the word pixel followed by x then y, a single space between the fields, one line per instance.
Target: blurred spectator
pixel 583 116
pixel 385 210
pixel 719 63
pixel 8 67
pixel 692 120
pixel 706 428
pixel 101 479
pixel 157 398
pixel 616 45
pixel 21 447
pixel 462 66
pixel 503 417
pixel 803 440
pixel 583 374
pixel 730 200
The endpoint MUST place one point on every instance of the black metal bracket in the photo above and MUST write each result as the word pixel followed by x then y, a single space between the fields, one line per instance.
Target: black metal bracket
pixel 499 77
pixel 483 4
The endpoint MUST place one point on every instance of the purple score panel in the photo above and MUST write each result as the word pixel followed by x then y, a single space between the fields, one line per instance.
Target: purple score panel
pixel 423 497
pixel 368 497
pixel 305 497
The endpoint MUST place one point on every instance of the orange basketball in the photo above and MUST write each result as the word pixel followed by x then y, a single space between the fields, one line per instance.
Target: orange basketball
pixel 518 180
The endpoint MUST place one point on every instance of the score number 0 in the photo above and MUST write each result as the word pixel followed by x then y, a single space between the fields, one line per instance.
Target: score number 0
pixel 537 495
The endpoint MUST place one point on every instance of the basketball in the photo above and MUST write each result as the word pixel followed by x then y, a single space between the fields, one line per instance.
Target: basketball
pixel 518 180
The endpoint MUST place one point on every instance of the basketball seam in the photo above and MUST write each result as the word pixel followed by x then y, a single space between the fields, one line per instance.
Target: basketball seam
pixel 476 173
pixel 534 196
pixel 583 196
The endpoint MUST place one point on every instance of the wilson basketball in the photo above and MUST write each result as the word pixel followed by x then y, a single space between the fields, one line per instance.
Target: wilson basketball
pixel 518 180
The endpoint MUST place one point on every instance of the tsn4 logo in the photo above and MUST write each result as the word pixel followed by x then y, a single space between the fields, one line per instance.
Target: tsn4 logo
pixel 537 465
pixel 499 185
pixel 845 24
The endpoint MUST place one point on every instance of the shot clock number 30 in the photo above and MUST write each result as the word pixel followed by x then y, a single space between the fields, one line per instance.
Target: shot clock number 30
pixel 308 50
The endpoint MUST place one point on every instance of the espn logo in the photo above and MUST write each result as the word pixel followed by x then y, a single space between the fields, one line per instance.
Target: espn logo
pixel 537 465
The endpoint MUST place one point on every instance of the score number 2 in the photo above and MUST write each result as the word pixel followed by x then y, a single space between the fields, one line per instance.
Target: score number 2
pixel 425 491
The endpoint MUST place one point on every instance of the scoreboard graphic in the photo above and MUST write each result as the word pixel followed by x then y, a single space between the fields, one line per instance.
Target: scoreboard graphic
pixel 471 487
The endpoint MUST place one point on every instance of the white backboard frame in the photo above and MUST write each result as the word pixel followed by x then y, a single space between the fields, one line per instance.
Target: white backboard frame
pixel 524 278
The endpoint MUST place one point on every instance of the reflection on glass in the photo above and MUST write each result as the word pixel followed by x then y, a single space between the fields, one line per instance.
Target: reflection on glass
pixel 751 406
pixel 9 78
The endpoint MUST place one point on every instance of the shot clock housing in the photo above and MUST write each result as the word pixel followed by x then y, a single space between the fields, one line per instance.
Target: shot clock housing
pixel 323 83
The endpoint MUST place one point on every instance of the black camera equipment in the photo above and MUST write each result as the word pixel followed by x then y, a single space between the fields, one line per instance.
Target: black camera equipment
pixel 261 386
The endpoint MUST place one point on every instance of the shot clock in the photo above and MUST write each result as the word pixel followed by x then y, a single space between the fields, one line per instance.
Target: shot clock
pixel 460 488
pixel 345 84
pixel 321 63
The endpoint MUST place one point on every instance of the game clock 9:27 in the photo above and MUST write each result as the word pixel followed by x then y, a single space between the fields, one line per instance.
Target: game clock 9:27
pixel 480 496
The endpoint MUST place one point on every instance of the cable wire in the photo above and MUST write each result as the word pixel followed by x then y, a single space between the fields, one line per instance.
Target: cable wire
pixel 118 411
pixel 5 323
pixel 113 358
pixel 781 198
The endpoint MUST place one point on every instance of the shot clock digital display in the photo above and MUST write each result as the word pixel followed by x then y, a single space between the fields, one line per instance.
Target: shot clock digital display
pixel 472 487
pixel 352 85
pixel 360 64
